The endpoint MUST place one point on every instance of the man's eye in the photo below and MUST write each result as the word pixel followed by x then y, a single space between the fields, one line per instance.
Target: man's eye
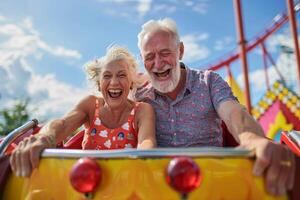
pixel 122 75
pixel 149 58
pixel 165 54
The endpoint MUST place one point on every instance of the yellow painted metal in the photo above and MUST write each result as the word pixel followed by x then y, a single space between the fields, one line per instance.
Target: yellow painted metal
pixel 139 179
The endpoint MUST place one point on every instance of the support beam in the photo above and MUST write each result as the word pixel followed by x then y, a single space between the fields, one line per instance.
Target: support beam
pixel 290 5
pixel 242 54
pixel 264 53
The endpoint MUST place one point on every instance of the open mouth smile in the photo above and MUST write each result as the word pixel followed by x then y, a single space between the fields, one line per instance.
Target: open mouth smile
pixel 115 93
pixel 163 74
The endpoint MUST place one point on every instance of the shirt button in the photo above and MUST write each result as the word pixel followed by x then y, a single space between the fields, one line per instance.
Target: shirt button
pixel 172 120
pixel 174 134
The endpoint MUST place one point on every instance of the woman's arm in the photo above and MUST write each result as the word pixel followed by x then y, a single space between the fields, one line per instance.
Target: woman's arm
pixel 26 155
pixel 59 129
pixel 145 118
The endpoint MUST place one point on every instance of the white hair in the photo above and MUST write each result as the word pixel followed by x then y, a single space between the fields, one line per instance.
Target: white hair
pixel 113 53
pixel 165 24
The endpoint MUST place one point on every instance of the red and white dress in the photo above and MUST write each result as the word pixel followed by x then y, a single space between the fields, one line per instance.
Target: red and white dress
pixel 100 137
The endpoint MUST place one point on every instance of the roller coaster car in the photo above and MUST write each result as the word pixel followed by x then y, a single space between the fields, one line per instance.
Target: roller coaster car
pixel 182 173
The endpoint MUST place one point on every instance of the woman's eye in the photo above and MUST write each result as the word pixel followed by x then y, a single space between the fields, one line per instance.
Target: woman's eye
pixel 106 76
pixel 122 75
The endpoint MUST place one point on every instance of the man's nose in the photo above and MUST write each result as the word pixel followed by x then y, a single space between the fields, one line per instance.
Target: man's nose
pixel 158 62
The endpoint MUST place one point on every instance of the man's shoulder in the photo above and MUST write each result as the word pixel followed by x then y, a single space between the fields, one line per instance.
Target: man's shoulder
pixel 205 72
pixel 147 91
pixel 202 75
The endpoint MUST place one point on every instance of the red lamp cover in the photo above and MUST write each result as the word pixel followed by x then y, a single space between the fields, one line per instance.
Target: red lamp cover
pixel 85 175
pixel 183 174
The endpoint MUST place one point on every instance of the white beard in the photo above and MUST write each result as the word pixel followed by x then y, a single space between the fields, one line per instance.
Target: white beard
pixel 168 85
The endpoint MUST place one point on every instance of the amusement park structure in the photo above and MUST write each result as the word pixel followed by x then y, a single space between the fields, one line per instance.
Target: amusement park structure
pixel 259 41
pixel 68 172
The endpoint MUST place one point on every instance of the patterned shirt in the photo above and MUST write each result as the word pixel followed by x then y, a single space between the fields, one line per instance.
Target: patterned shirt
pixel 100 137
pixel 191 119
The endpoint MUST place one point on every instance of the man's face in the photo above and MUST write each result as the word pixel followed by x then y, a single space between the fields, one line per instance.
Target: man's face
pixel 161 53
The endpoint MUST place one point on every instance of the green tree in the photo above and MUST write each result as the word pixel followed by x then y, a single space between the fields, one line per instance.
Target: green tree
pixel 14 117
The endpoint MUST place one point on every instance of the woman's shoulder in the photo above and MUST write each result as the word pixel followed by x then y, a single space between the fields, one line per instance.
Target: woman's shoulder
pixel 90 100
pixel 144 108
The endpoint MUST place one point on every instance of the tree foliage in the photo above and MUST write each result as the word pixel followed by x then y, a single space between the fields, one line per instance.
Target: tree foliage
pixel 12 118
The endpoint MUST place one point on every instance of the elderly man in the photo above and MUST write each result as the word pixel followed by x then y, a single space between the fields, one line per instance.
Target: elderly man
pixel 190 105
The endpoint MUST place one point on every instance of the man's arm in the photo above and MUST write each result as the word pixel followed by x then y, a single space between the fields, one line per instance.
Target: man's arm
pixel 273 160
pixel 238 120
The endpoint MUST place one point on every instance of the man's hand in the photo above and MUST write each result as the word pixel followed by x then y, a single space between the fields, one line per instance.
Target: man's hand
pixel 26 155
pixel 276 162
pixel 273 161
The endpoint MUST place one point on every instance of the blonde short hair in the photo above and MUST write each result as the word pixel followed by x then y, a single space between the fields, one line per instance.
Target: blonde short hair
pixel 113 53
pixel 165 24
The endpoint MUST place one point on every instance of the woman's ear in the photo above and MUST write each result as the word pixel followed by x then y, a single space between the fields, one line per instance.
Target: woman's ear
pixel 181 50
pixel 131 86
pixel 99 87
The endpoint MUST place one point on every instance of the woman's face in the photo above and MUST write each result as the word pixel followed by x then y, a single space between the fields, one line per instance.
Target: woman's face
pixel 115 82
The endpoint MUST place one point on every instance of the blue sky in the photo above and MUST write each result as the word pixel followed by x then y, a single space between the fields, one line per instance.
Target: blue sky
pixel 44 44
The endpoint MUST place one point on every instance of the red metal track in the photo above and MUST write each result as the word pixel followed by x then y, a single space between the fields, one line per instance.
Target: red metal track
pixel 253 44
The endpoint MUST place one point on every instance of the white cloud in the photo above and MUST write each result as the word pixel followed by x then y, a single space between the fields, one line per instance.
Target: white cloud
pixel 143 7
pixel 2 18
pixel 200 7
pixel 10 29
pixel 22 40
pixel 189 3
pixel 63 52
pixel 124 8
pixel 257 79
pixel 193 50
pixel 53 97
pixel 116 1
pixel 223 43
pixel 18 79
pixel 164 8
pixel 28 25
pixel 133 8
pixel 281 43
pixel 50 97
pixel 276 41
pixel 286 66
pixel 14 79
pixel 257 82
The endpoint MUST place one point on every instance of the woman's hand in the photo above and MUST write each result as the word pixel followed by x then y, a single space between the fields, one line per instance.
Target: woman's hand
pixel 146 126
pixel 27 154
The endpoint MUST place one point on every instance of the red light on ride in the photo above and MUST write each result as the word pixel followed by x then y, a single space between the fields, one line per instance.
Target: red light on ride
pixel 183 174
pixel 85 175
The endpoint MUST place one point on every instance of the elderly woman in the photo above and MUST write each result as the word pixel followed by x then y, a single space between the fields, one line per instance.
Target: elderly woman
pixel 112 121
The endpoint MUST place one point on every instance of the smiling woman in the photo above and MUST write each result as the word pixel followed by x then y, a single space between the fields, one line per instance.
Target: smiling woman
pixel 112 121
pixel 97 68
